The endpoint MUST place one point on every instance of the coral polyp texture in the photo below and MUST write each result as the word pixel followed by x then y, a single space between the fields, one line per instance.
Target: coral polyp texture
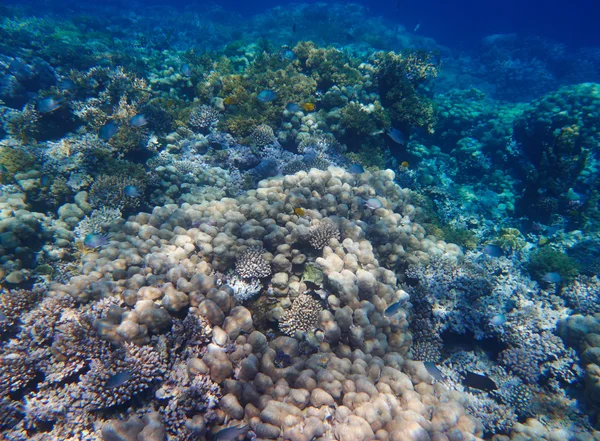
pixel 306 224
pixel 251 264
pixel 322 233
pixel 303 316
pixel 203 117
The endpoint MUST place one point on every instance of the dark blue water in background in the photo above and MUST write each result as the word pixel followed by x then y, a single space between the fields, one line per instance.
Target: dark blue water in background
pixel 459 23
pixel 464 22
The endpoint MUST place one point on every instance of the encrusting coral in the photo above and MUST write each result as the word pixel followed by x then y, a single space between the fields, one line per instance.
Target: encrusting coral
pixel 353 356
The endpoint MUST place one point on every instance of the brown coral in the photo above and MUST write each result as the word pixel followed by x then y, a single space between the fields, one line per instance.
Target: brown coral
pixel 303 316
pixel 252 265
pixel 322 233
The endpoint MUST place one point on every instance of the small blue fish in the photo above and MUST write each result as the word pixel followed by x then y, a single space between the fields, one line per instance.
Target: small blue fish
pixel 108 130
pixel 230 433
pixel 3 317
pixel 117 380
pixel 266 96
pixel 392 309
pixel 49 105
pixel 498 320
pixel 45 180
pixel 138 120
pixel 185 70
pixel 396 135
pixel 131 191
pixel 66 84
pixel 357 169
pixel 493 250
pixel 288 54
pixel 433 370
pixel 292 107
pixel 95 240
pixel 373 203
pixel 552 278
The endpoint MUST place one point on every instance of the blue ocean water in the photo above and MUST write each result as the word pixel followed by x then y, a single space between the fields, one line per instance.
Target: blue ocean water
pixel 299 220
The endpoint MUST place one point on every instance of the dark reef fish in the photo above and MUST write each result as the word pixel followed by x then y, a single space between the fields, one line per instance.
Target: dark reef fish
pixel 131 191
pixel 49 105
pixel 138 120
pixel 498 320
pixel 493 250
pixel 392 309
pixel 266 96
pixel 66 84
pixel 94 240
pixel 287 54
pixel 552 278
pixel 117 380
pixel 373 203
pixel 356 169
pixel 230 433
pixel 108 130
pixel 396 135
pixel 185 70
pixel 481 382
pixel 433 370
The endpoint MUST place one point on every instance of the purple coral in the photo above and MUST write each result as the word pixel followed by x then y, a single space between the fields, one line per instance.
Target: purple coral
pixel 116 380
pixel 12 305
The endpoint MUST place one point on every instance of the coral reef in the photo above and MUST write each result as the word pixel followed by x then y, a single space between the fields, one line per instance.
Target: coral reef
pixel 305 224
pixel 251 264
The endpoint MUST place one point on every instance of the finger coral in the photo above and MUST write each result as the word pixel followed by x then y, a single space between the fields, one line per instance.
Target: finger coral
pixel 251 264
pixel 302 317
pixel 203 117
pixel 322 233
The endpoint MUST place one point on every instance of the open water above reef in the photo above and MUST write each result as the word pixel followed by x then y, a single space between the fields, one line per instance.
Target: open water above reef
pixel 298 222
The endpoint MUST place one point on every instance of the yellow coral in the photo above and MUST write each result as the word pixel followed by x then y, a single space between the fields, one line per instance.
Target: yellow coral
pixel 511 239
